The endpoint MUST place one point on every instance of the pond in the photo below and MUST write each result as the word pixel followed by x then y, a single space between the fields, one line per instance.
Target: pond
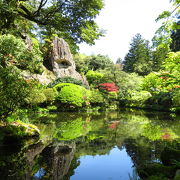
pixel 118 145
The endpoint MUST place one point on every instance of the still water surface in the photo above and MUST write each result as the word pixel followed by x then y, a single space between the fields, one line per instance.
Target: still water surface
pixel 101 146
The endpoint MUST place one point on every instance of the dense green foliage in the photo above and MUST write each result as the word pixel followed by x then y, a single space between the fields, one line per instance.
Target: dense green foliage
pixel 92 63
pixel 147 77
pixel 72 95
pixel 13 90
pixel 138 58
pixel 14 51
pixel 94 77
pixel 98 62
pixel 65 80
pixel 71 20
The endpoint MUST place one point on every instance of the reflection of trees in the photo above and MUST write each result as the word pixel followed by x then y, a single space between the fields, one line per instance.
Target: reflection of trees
pixel 94 147
pixel 152 156
pixel 92 135
pixel 142 150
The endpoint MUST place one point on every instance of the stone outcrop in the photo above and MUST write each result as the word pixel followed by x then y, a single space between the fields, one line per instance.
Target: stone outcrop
pixel 45 78
pixel 60 61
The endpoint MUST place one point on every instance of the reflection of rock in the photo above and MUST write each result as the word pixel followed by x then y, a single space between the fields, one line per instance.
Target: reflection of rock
pixel 61 62
pixel 58 159
pixel 53 160
pixel 19 164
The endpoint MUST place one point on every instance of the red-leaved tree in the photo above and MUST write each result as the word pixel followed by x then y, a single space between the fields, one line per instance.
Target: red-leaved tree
pixel 109 87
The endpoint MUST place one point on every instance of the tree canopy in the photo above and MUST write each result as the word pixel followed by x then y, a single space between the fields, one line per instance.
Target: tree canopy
pixel 138 58
pixel 71 20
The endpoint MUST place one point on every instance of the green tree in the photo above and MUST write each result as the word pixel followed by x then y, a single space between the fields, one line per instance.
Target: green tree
pixel 163 36
pixel 13 91
pixel 94 77
pixel 13 51
pixel 175 36
pixel 97 62
pixel 159 55
pixel 138 58
pixel 81 63
pixel 72 20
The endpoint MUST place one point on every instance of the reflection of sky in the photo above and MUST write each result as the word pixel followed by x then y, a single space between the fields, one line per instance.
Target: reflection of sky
pixel 116 165
pixel 40 173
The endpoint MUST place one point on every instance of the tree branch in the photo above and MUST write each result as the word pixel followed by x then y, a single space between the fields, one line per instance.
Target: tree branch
pixel 42 3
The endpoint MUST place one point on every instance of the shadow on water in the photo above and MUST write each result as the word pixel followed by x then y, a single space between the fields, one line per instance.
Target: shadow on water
pixel 112 145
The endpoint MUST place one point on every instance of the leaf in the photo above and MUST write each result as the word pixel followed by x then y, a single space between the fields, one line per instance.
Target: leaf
pixel 164 15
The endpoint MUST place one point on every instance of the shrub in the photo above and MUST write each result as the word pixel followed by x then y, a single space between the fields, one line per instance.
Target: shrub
pixel 128 82
pixel 66 80
pixel 96 97
pixel 160 82
pixel 172 63
pixel 176 97
pixel 152 83
pixel 72 95
pixel 50 94
pixel 94 77
pixel 162 100
pixel 35 97
pixel 138 99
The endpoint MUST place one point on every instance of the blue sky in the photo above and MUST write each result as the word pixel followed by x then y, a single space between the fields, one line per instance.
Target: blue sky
pixel 122 19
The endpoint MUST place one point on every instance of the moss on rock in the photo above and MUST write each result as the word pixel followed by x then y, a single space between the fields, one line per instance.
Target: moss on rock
pixel 18 129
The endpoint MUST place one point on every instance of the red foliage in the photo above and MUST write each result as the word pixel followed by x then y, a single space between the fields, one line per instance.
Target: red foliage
pixel 177 86
pixel 166 136
pixel 114 125
pixel 110 87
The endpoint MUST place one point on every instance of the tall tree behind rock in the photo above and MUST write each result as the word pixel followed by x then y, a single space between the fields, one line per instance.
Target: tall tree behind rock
pixel 138 58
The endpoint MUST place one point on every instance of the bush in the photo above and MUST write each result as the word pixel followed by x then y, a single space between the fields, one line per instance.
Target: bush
pixel 108 87
pixel 160 101
pixel 128 82
pixel 152 83
pixel 176 97
pixel 138 99
pixel 50 94
pixel 94 77
pixel 96 97
pixel 65 80
pixel 35 97
pixel 72 95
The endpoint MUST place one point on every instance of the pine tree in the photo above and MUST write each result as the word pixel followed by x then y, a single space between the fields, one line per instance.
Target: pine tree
pixel 138 58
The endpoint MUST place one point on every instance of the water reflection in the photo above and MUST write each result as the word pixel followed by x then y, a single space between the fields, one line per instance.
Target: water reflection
pixel 114 165
pixel 113 145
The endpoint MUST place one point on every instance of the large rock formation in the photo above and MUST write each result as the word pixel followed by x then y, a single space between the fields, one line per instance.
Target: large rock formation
pixel 60 61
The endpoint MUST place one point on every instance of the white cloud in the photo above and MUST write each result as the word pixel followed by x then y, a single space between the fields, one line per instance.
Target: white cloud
pixel 123 19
